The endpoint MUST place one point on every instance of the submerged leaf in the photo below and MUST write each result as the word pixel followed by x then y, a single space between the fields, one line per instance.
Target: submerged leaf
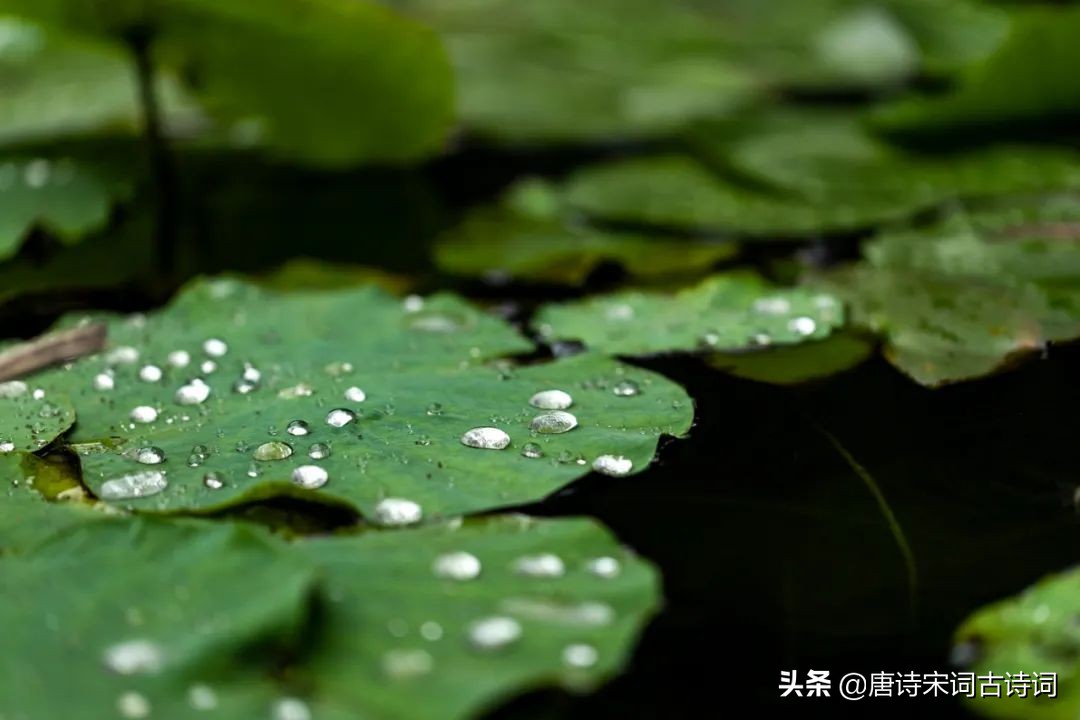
pixel 232 392
pixel 725 312
pixel 789 365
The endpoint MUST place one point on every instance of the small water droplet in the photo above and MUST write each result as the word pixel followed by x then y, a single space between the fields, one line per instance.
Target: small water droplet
pixel 485 438
pixel 123 355
pixel 551 400
pixel 147 455
pixel 604 567
pixel 319 451
pixel 310 477
pixel 150 373
pixel 532 450
pixel 144 414
pixel 103 382
pixel 434 409
pixel 135 485
pixel 6 446
pixel 355 394
pixel 213 481
pixel 494 633
pixel 554 422
pixel 296 391
pixel 207 367
pixel 134 657
pixel 273 450
pixel 340 417
pixel 215 347
pixel 772 305
pixel 404 664
pixel 194 393
pixel 760 339
pixel 413 303
pixel 337 369
pixel 543 565
pixel 202 697
pixel 397 511
pixel 565 457
pixel 290 708
pixel 431 631
pixel 802 325
pixel 626 388
pixel 613 465
pixel 133 705
pixel 298 428
pixel 579 655
pixel 178 358
pixel 457 566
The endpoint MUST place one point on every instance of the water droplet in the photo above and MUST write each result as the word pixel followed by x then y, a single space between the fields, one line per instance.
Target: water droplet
pixel 290 708
pixel 104 382
pixel 298 428
pixel 135 485
pixel 544 565
pixel 215 347
pixel 251 374
pixel 207 367
pixel 559 612
pixel 556 421
pixel 213 481
pixel 760 339
pixel 613 465
pixel 626 388
pixel 532 450
pixel 123 355
pixel 144 414
pixel 579 655
pixel 434 409
pixel 178 358
pixel 38 394
pixel 397 511
pixel 403 664
pixel 6 446
pixel 253 470
pixel 435 322
pixel 337 369
pixel 485 438
pixel 202 697
pixel 802 325
pixel 13 389
pixel 319 451
pixel 36 173
pixel 273 450
pixel 243 387
pixel 772 305
pixel 340 417
pixel 604 567
pixel 457 566
pixel 133 705
pixel 310 477
pixel 565 457
pixel 551 400
pixel 355 394
pixel 134 657
pixel 147 455
pixel 494 632
pixel 198 455
pixel 296 391
pixel 413 303
pixel 150 373
pixel 194 393
pixel 431 631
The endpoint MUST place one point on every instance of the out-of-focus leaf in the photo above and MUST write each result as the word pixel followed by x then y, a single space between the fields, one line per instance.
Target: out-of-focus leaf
pixel 65 196
pixel 522 241
pixel 793 364
pixel 26 519
pixel 225 424
pixel 1020 638
pixel 725 312
pixel 308 274
pixel 1030 79
pixel 324 81
pixel 959 300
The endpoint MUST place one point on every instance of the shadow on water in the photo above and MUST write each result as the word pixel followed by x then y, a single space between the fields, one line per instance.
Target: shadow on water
pixel 776 555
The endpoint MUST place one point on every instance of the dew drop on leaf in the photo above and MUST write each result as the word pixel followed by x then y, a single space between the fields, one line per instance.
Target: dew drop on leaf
pixel 290 708
pixel 803 325
pixel 626 388
pixel 298 428
pixel 141 484
pixel 604 567
pixel 579 655
pixel 319 451
pixel 555 422
pixel 150 373
pixel 215 347
pixel 485 438
pixel 459 565
pixel 310 477
pixel 213 481
pixel 148 455
pixel 194 393
pixel 402 664
pixel 144 414
pixel 494 633
pixel 397 511
pixel 178 358
pixel 134 657
pixel 133 705
pixel 273 450
pixel 13 389
pixel 202 697
pixel 355 394
pixel 340 417
pixel 532 450
pixel 613 465
pixel 104 382
pixel 544 565
pixel 551 400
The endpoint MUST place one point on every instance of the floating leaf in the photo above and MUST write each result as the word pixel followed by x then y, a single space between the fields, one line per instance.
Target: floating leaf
pixel 959 300
pixel 1019 639
pixel 725 312
pixel 374 85
pixel 794 364
pixel 66 197
pixel 546 246
pixel 231 392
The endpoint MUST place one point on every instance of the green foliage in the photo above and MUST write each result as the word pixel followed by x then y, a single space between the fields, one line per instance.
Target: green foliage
pixel 963 298
pixel 793 364
pixel 30 420
pixel 531 236
pixel 422 373
pixel 725 312
pixel 1033 632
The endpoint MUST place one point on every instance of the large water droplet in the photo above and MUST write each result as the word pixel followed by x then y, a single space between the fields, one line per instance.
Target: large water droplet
pixel 319 451
pixel 579 656
pixel 551 400
pixel 178 358
pixel 215 347
pixel 532 450
pixel 397 511
pixel 553 422
pixel 273 450
pixel 613 465
pixel 340 417
pixel 544 565
pixel 355 394
pixel 802 325
pixel 486 438
pixel 134 657
pixel 150 373
pixel 13 389
pixel 144 414
pixel 493 633
pixel 298 428
pixel 310 477
pixel 457 566
pixel 140 484
pixel 194 393
pixel 626 388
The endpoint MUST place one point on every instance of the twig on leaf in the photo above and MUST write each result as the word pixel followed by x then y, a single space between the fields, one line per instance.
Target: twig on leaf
pixel 50 349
